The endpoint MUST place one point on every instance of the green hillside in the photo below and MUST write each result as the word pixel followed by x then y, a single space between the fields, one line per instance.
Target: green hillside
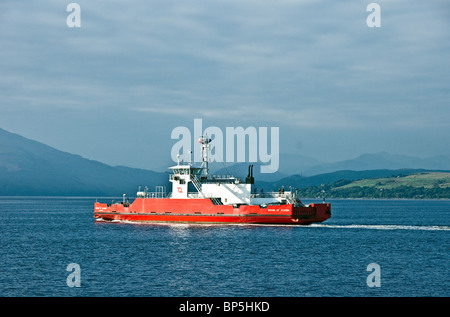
pixel 419 185
pixel 425 180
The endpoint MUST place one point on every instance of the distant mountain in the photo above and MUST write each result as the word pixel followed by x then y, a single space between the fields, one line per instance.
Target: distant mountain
pixel 305 166
pixel 289 164
pixel 31 168
pixel 297 181
pixel 240 170
pixel 382 160
pixel 296 164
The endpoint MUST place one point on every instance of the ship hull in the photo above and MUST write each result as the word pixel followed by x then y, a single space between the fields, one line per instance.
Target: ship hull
pixel 163 210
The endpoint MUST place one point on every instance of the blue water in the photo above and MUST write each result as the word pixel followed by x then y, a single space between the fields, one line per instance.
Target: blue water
pixel 408 239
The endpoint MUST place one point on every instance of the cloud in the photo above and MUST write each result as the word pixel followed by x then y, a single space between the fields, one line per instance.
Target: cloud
pixel 296 63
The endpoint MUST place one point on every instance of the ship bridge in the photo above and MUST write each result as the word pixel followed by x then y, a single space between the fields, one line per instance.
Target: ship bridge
pixel 220 189
pixel 181 177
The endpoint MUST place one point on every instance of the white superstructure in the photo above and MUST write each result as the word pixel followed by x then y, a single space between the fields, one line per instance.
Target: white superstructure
pixel 224 190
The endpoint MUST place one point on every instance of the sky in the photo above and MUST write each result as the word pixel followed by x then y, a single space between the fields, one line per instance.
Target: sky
pixel 115 88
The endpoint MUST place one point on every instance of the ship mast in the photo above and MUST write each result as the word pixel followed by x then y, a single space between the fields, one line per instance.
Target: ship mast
pixel 204 141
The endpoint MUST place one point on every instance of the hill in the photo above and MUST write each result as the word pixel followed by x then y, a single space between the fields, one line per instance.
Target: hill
pixel 382 160
pixel 417 185
pixel 291 164
pixel 425 180
pixel 298 181
pixel 29 168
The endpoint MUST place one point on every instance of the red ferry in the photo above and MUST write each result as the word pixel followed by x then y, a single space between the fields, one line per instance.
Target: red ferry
pixel 216 199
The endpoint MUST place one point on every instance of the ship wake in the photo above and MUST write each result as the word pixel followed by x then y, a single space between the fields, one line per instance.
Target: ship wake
pixel 382 227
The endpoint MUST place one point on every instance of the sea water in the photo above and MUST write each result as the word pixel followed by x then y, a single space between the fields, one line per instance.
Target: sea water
pixel 44 238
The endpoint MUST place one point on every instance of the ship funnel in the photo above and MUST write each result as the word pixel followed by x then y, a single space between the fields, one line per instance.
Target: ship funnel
pixel 250 179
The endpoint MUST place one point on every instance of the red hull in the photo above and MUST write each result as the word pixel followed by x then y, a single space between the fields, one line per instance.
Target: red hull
pixel 202 210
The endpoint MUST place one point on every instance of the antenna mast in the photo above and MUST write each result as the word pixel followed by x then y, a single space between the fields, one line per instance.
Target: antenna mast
pixel 204 140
